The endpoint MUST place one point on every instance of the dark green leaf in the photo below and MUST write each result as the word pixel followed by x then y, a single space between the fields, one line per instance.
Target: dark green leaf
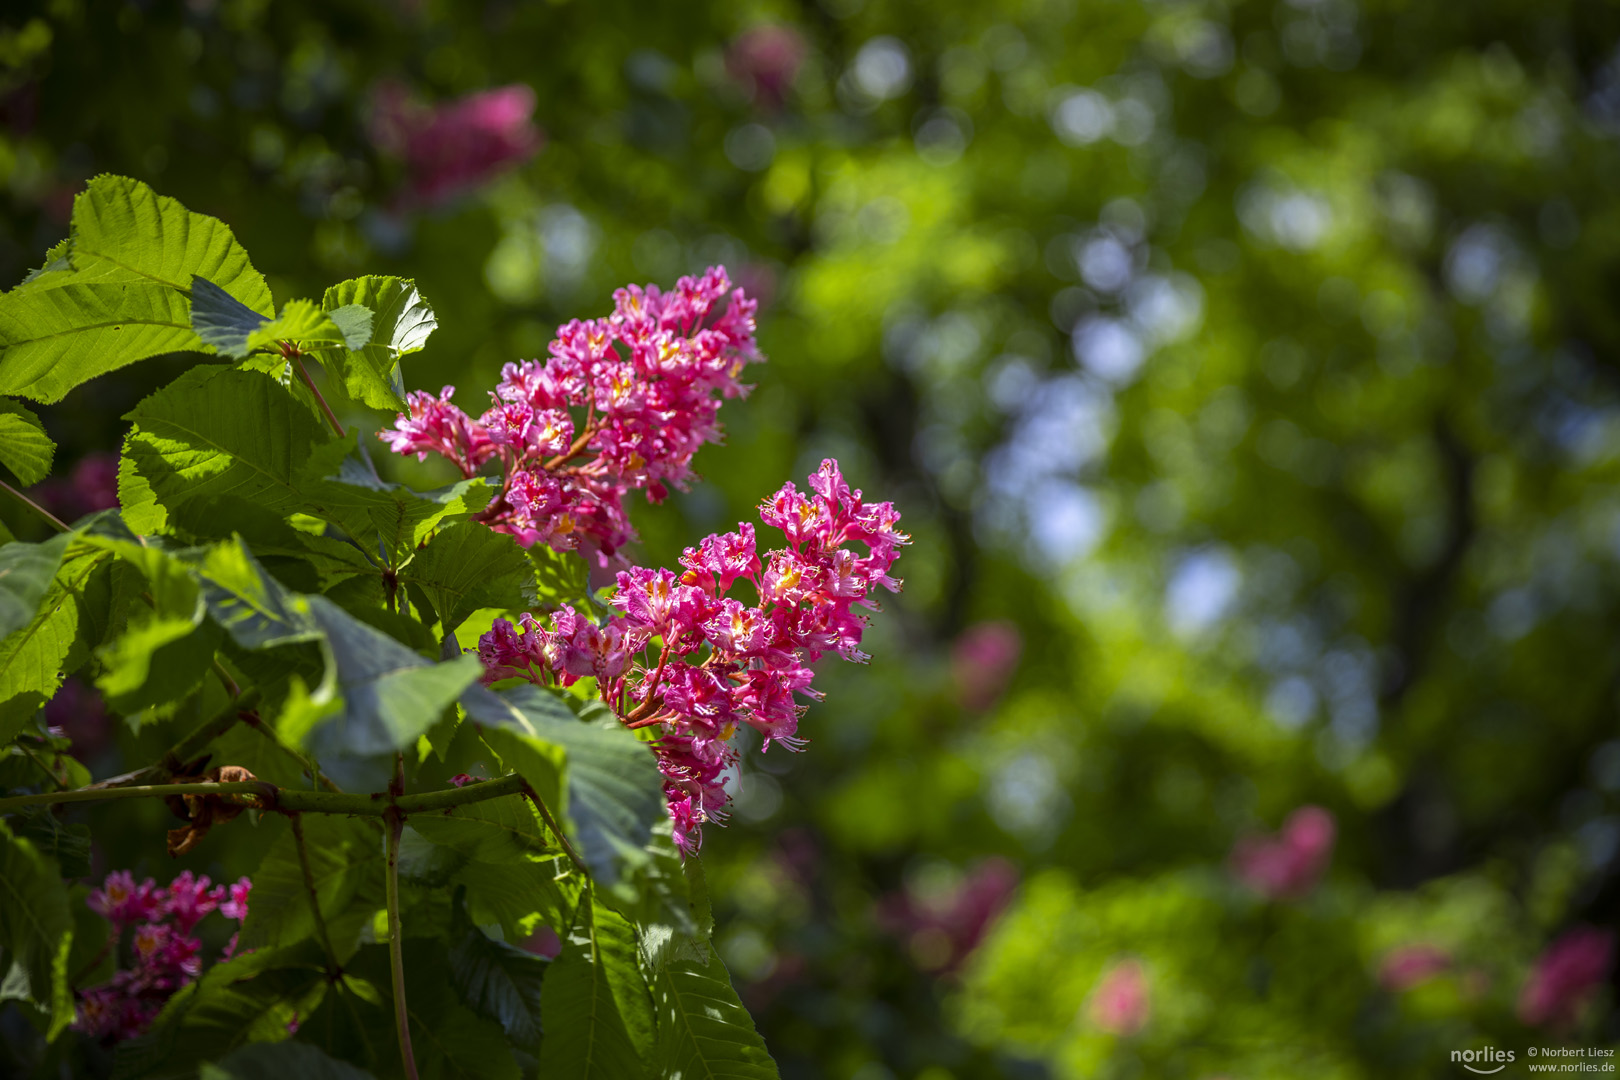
pixel 467 566
pixel 499 982
pixel 223 431
pixel 388 520
pixel 26 573
pixel 36 928
pixel 703 1030
pixel 346 864
pixel 249 604
pixel 491 831
pixel 221 320
pixel 611 798
pixel 598 1013
pixel 519 892
pixel 280 1061
pixel 25 449
pixel 69 845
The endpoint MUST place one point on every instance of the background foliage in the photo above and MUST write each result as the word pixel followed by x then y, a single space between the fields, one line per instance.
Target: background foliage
pixel 1255 361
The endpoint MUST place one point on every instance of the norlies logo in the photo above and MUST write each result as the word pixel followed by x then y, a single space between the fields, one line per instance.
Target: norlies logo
pixel 1470 1059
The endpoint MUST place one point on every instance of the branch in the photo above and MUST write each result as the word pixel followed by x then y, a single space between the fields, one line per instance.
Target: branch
pixel 556 829
pixel 56 523
pixel 331 417
pixel 287 800
pixel 396 937
pixel 333 968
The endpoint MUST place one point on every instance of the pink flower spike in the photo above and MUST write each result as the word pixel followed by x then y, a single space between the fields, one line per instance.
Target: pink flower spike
pixel 237 906
pixel 1287 866
pixel 1120 1004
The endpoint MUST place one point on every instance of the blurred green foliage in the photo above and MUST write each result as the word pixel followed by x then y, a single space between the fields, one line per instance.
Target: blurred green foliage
pixel 1255 359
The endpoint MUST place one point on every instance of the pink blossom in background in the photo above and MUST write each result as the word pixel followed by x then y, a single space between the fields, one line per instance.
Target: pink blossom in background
pixel 164 955
pixel 1289 864
pixel 80 714
pixel 544 942
pixel 1411 965
pixel 1120 1004
pixel 983 659
pixel 91 486
pixel 943 931
pixel 764 60
pixel 452 148
pixel 1565 977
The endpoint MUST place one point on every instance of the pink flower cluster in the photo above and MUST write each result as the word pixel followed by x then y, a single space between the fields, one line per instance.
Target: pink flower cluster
pixel 621 404
pixel 163 954
pixel 1287 866
pixel 451 148
pixel 721 662
pixel 1566 976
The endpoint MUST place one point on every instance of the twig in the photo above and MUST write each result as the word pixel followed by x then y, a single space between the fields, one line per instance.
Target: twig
pixel 46 769
pixel 56 523
pixel 331 417
pixel 288 800
pixel 556 830
pixel 333 969
pixel 396 938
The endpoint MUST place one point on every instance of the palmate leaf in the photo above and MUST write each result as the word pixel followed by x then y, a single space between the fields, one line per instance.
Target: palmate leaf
pixel 220 431
pixel 234 329
pixel 611 796
pixel 401 323
pixel 32 658
pixel 703 1029
pixel 117 292
pixel 248 999
pixel 26 573
pixel 280 1061
pixel 387 519
pixel 124 231
pixel 598 1013
pixel 36 928
pixel 391 696
pixel 499 982
pixel 53 339
pixel 346 863
pixel 468 566
pixel 25 449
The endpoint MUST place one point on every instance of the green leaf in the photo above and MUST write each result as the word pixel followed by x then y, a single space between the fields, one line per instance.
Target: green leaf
pixel 491 831
pixel 559 578
pixel 300 321
pixel 599 1015
pixel 519 893
pixel 247 999
pixel 123 231
pixel 32 659
pixel 167 648
pixel 391 696
pixel 222 321
pixel 389 520
pixel 26 573
pixel 370 370
pixel 25 449
pixel 499 982
pixel 69 845
pixel 251 605
pixel 346 864
pixel 703 1029
pixel 36 928
pixel 53 339
pixel 467 566
pixel 280 1061
pixel 225 431
pixel 56 262
pixel 354 320
pixel 611 797
pixel 657 895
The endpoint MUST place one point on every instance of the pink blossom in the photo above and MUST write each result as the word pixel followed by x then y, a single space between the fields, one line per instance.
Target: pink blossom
pixel 1411 965
pixel 455 147
pixel 237 906
pixel 1566 976
pixel 764 60
pixel 1120 1003
pixel 719 662
pixel 944 930
pixel 982 661
pixel 121 901
pixel 1288 865
pixel 621 404
pixel 190 898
